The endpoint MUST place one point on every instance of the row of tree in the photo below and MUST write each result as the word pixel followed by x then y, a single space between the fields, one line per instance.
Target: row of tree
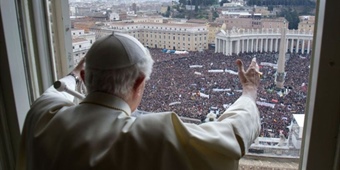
pixel 281 2
pixel 198 2
pixel 291 16
pixel 288 9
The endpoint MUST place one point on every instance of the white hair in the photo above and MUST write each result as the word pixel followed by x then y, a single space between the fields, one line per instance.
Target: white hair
pixel 118 81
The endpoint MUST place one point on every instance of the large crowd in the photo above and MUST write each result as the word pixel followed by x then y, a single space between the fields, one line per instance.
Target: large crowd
pixel 186 84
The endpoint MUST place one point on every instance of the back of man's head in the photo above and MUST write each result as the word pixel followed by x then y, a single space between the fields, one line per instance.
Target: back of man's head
pixel 114 62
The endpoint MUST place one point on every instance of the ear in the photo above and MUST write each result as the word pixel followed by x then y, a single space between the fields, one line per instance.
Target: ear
pixel 82 75
pixel 138 84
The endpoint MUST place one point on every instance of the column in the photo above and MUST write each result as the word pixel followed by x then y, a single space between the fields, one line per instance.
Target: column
pixel 308 46
pixel 261 45
pixel 227 46
pixel 271 45
pixel 257 45
pixel 266 45
pixel 223 46
pixel 286 45
pixel 216 40
pixel 297 46
pixel 303 46
pixel 230 47
pixel 291 45
pixel 238 46
pixel 220 46
pixel 280 76
pixel 227 49
pixel 243 45
pixel 248 40
pixel 252 45
pixel 276 44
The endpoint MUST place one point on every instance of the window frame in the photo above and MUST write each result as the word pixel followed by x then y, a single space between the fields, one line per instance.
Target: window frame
pixel 321 139
pixel 317 152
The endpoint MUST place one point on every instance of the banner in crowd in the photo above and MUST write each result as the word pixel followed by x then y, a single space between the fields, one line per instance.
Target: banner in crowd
pixel 181 52
pixel 195 66
pixel 215 71
pixel 302 57
pixel 203 95
pixel 197 73
pixel 268 64
pixel 231 72
pixel 265 104
pixel 174 103
pixel 221 90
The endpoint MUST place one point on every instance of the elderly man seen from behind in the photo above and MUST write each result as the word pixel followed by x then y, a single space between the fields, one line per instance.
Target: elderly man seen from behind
pixel 99 133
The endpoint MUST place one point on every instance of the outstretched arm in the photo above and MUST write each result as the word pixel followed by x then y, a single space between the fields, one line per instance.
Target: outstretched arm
pixel 243 114
pixel 70 81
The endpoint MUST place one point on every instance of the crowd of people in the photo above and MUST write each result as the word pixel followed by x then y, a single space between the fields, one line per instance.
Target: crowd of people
pixel 193 85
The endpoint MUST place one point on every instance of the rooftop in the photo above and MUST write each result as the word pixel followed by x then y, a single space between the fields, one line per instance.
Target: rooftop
pixel 158 24
pixel 75 40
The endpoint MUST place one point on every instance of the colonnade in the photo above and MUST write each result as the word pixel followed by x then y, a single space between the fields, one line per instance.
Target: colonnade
pixel 234 42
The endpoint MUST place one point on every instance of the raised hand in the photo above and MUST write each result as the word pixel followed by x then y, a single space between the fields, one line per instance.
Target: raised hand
pixel 249 79
pixel 80 66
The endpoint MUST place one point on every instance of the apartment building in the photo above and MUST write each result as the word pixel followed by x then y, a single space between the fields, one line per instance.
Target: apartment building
pixel 82 24
pixel 213 29
pixel 274 22
pixel 190 37
pixel 306 23
pixel 81 43
pixel 251 22
pixel 153 19
pixel 263 10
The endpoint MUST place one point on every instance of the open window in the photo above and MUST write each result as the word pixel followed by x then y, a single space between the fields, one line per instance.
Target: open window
pixel 36 48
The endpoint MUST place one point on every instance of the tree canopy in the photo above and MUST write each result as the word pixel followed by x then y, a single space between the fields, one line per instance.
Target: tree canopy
pixel 198 2
pixel 281 2
pixel 167 13
pixel 224 1
pixel 292 17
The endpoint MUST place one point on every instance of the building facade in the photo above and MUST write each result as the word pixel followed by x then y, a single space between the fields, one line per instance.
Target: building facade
pixel 153 19
pixel 237 41
pixel 81 43
pixel 189 37
pixel 274 23
pixel 252 22
pixel 213 29
pixel 263 10
pixel 306 23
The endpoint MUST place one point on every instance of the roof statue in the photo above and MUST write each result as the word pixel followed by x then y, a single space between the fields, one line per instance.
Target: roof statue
pixel 224 26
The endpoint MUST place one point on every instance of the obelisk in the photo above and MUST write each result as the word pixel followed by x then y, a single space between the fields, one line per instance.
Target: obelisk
pixel 280 72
